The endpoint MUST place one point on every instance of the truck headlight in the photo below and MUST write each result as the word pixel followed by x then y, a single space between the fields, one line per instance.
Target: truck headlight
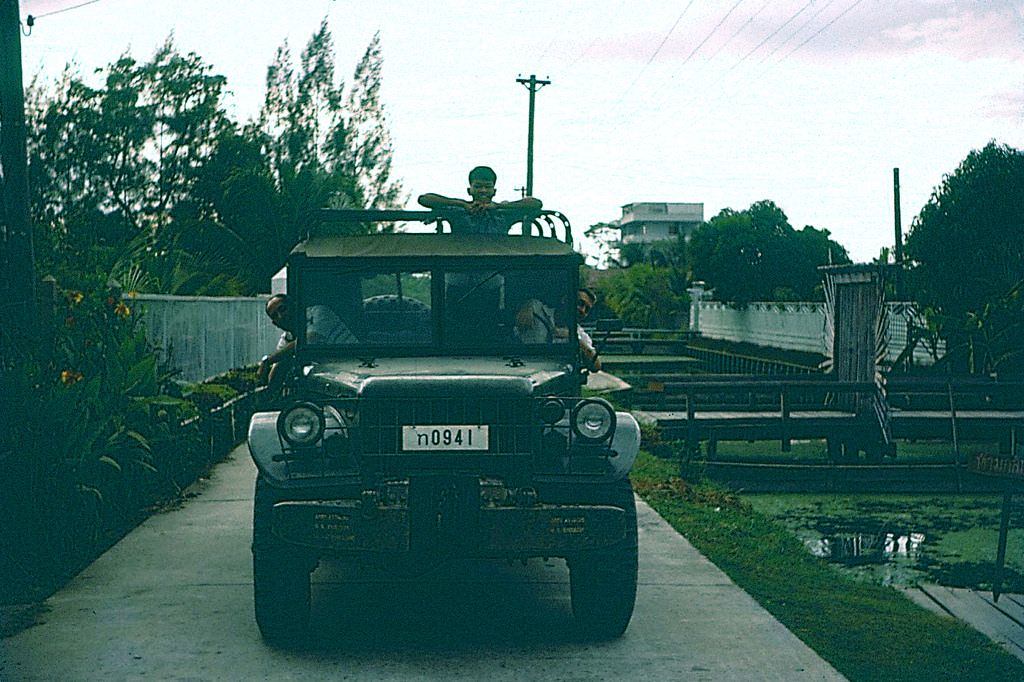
pixel 301 425
pixel 593 420
pixel 551 411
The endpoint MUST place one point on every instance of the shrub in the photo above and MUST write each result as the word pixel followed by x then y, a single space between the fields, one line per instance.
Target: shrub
pixel 88 440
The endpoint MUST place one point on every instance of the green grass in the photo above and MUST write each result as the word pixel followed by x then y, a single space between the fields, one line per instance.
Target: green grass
pixel 865 630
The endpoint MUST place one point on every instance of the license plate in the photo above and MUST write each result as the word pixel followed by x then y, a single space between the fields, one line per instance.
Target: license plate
pixel 445 437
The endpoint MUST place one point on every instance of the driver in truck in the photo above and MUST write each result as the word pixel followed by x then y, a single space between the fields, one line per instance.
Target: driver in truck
pixel 536 322
pixel 323 326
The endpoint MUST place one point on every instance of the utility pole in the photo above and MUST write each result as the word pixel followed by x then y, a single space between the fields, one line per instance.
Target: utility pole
pixel 898 254
pixel 17 279
pixel 533 85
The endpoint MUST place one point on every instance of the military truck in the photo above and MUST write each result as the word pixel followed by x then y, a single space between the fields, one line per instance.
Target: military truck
pixel 433 409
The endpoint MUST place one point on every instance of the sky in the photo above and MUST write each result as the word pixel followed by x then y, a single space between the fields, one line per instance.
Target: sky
pixel 807 103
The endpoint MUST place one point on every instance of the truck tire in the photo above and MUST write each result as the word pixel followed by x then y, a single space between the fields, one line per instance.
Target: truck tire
pixel 602 582
pixel 280 577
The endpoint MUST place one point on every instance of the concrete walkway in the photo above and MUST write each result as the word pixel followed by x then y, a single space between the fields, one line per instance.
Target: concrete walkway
pixel 173 601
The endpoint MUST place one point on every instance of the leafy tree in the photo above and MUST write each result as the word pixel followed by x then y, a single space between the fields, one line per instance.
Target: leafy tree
pixel 967 244
pixel 109 165
pixel 966 253
pixel 606 239
pixel 162 191
pixel 368 149
pixel 185 98
pixel 756 255
pixel 644 296
pixel 275 116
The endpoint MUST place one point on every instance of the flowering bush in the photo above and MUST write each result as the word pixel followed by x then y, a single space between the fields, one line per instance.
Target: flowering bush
pixel 88 438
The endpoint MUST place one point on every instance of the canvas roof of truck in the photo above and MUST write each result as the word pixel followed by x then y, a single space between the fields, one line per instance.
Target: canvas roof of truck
pixel 398 245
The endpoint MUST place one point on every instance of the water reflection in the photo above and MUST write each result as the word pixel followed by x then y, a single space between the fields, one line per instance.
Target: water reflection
pixel 861 548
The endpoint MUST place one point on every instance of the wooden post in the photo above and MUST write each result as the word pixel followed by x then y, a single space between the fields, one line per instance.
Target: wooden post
pixel 787 445
pixel 17 268
pixel 1004 528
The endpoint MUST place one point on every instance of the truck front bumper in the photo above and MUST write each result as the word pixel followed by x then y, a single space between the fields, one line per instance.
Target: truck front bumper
pixel 352 526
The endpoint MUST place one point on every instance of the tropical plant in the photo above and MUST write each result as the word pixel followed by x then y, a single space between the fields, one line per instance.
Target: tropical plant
pixel 644 296
pixel 86 435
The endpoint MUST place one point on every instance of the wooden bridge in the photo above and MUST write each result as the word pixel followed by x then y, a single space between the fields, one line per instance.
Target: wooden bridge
pixel 712 408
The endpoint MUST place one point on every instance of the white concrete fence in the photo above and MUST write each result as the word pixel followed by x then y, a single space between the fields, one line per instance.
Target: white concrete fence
pixel 204 335
pixel 794 326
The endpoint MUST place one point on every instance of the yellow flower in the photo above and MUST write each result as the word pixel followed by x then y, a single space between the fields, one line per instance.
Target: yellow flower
pixel 122 310
pixel 74 297
pixel 70 377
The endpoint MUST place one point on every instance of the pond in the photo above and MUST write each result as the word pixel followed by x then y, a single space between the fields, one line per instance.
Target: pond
pixel 902 540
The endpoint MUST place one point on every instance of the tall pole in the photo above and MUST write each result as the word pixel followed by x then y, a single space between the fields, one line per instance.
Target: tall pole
pixel 899 233
pixel 533 85
pixel 17 279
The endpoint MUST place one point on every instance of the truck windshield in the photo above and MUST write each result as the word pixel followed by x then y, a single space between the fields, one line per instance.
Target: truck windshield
pixel 505 310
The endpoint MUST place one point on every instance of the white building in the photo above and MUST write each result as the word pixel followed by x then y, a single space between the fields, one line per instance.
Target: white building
pixel 649 221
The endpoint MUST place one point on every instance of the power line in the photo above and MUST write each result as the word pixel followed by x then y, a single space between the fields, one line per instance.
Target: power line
pixel 815 35
pixel 766 39
pixel 706 110
pixel 800 28
pixel 708 36
pixel 772 34
pixel 744 57
pixel 654 54
pixel 66 9
pixel 594 40
pixel 737 32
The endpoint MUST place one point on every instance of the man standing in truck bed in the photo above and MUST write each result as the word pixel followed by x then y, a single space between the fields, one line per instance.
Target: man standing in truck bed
pixel 483 215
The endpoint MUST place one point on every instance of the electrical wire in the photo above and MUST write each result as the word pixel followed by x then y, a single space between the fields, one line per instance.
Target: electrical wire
pixel 708 36
pixel 66 9
pixel 654 54
pixel 594 40
pixel 736 33
pixel 721 47
pixel 813 36
pixel 708 109
pixel 797 30
pixel 742 59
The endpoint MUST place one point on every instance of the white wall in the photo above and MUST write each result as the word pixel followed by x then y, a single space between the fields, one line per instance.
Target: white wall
pixel 206 335
pixel 792 326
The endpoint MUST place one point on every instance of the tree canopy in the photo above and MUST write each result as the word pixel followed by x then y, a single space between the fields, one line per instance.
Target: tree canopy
pixel 145 178
pixel 966 246
pixel 756 255
pixel 966 257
